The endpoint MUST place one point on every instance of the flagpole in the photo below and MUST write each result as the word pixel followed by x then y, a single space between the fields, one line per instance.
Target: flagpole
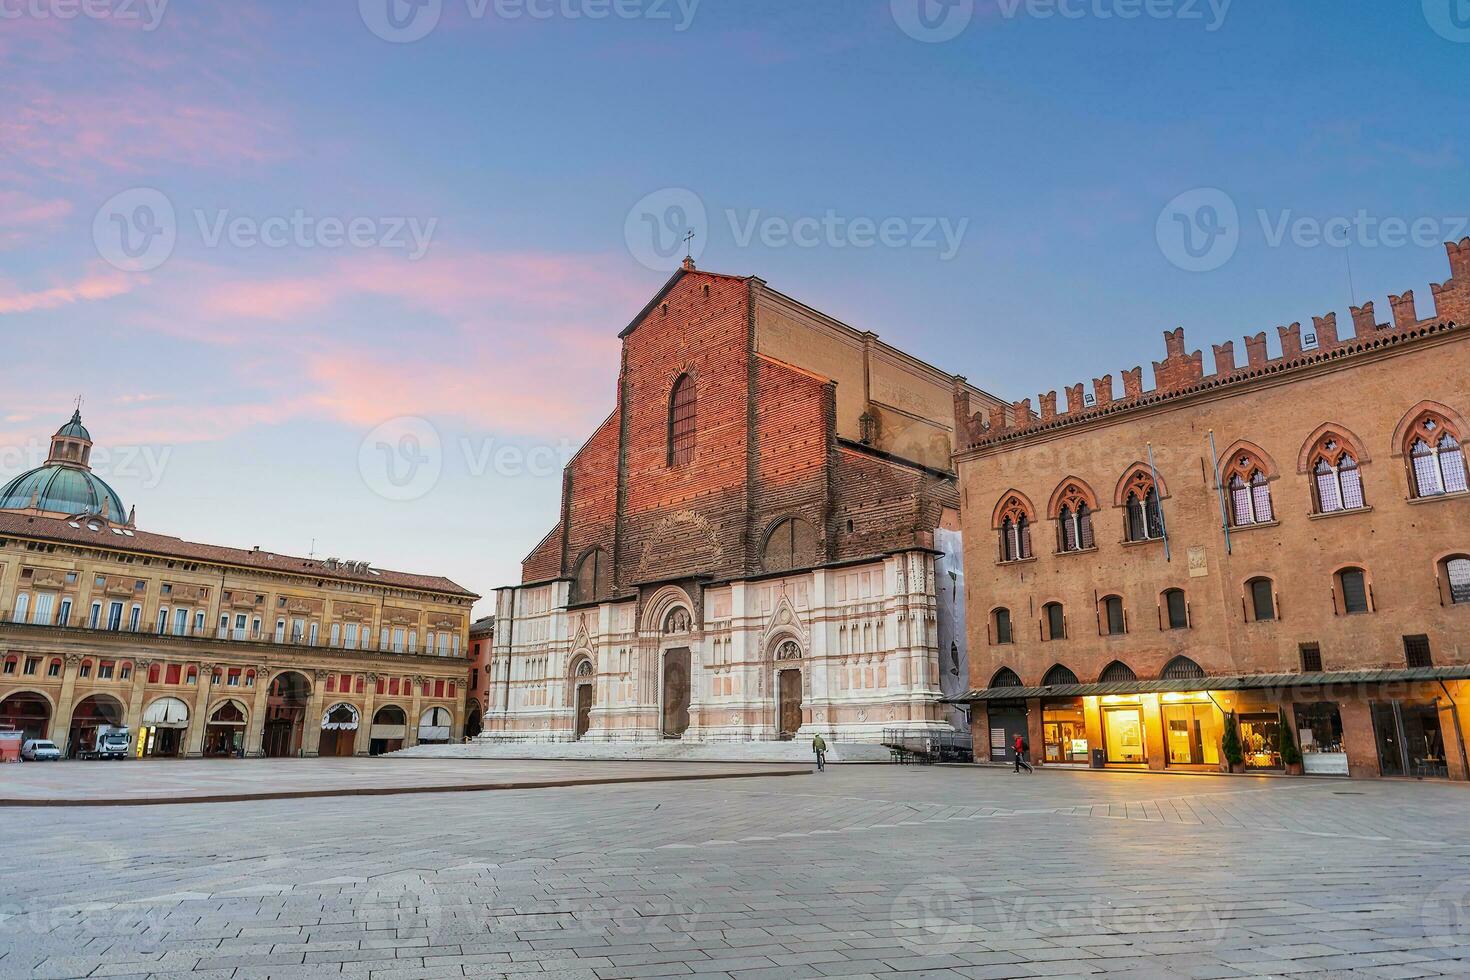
pixel 1220 488
pixel 1163 524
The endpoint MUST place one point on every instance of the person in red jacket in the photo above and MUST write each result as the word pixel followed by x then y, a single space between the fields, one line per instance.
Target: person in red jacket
pixel 1020 747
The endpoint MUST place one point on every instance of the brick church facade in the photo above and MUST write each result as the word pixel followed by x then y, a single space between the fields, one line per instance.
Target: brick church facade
pixel 747 547
pixel 1280 548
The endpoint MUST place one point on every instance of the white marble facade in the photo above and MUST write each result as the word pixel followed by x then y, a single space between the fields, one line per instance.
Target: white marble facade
pixel 845 651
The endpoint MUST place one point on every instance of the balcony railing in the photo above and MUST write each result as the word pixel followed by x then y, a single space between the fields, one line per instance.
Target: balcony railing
pixel 84 623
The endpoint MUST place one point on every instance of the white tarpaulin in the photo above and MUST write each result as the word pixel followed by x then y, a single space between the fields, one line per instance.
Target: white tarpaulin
pixel 434 726
pixel 166 713
pixel 390 732
pixel 340 718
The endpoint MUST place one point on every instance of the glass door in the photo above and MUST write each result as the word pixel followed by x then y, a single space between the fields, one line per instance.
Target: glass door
pixel 1260 737
pixel 1123 733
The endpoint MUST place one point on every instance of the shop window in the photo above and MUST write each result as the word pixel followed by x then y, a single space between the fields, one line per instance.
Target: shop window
pixel 1064 732
pixel 1192 734
pixel 1436 458
pixel 1114 619
pixel 1005 677
pixel 1057 676
pixel 1250 493
pixel 1181 669
pixel 1311 658
pixel 1416 651
pixel 1055 619
pixel 1260 738
pixel 1176 609
pixel 1319 733
pixel 1352 585
pixel 1000 620
pixel 1410 740
pixel 1117 672
pixel 1262 595
pixel 1123 734
pixel 1457 573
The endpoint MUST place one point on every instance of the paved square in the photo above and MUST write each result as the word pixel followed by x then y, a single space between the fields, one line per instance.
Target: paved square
pixel 863 871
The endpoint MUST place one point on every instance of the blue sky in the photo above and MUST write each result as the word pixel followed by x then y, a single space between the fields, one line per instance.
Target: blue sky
pixel 494 169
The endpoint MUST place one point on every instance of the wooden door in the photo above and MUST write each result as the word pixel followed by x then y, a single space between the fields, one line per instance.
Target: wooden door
pixel 584 710
pixel 676 692
pixel 790 703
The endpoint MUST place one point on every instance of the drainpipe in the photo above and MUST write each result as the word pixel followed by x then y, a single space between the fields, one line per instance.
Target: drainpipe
pixel 1459 731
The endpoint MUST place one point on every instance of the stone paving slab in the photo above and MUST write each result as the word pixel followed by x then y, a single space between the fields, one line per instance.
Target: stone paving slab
pixel 867 871
pixel 140 782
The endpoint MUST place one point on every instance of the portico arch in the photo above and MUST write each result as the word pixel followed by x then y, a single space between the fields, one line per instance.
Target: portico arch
pixel 288 697
pixel 90 714
pixel 29 711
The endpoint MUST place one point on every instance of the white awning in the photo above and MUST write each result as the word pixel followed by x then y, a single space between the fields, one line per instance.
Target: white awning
pixel 429 733
pixel 390 731
pixel 345 720
pixel 166 713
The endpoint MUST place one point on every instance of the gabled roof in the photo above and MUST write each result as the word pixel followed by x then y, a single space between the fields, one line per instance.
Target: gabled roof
pixel 679 274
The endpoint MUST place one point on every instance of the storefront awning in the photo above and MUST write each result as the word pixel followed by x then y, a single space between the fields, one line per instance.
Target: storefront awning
pixel 166 713
pixel 1238 682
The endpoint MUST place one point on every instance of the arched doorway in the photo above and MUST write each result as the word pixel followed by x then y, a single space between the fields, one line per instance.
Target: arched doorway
pixel 285 714
pixel 676 692
pixel 390 728
pixel 473 725
pixel 583 692
pixel 27 711
pixel 788 690
pixel 164 728
pixel 434 726
pixel 91 714
pixel 339 731
pixel 224 737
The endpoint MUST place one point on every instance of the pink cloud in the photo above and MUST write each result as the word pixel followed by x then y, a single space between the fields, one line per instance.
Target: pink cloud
pixel 22 215
pixel 91 287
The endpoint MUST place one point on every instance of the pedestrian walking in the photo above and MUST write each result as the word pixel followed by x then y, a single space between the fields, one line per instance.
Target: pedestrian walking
pixel 819 746
pixel 1020 747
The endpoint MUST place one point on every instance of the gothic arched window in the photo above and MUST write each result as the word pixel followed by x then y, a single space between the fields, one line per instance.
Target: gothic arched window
pixel 1436 458
pixel 682 421
pixel 1250 494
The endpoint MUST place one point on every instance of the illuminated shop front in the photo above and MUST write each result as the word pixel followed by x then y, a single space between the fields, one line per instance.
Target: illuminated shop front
pixel 1400 722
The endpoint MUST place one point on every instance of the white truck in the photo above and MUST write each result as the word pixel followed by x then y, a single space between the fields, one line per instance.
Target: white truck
pixel 110 742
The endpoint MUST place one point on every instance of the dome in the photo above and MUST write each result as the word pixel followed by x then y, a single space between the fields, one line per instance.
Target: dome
pixel 61 489
pixel 75 429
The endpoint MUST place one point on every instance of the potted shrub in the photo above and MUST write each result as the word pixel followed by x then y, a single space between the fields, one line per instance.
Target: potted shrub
pixel 1291 756
pixel 1230 746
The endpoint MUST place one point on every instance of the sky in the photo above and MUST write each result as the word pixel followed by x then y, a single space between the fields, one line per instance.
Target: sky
pixel 346 278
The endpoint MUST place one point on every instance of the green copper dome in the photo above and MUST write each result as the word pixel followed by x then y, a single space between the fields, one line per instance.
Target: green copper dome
pixel 66 485
pixel 61 489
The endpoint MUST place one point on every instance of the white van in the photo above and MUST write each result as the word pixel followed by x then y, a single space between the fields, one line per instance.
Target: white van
pixel 39 750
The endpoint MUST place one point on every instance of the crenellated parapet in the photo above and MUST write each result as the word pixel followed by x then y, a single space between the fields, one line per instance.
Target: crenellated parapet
pixel 1182 371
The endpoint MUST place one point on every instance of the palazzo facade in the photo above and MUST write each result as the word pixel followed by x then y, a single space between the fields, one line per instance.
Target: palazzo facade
pixel 748 544
pixel 202 650
pixel 1275 555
